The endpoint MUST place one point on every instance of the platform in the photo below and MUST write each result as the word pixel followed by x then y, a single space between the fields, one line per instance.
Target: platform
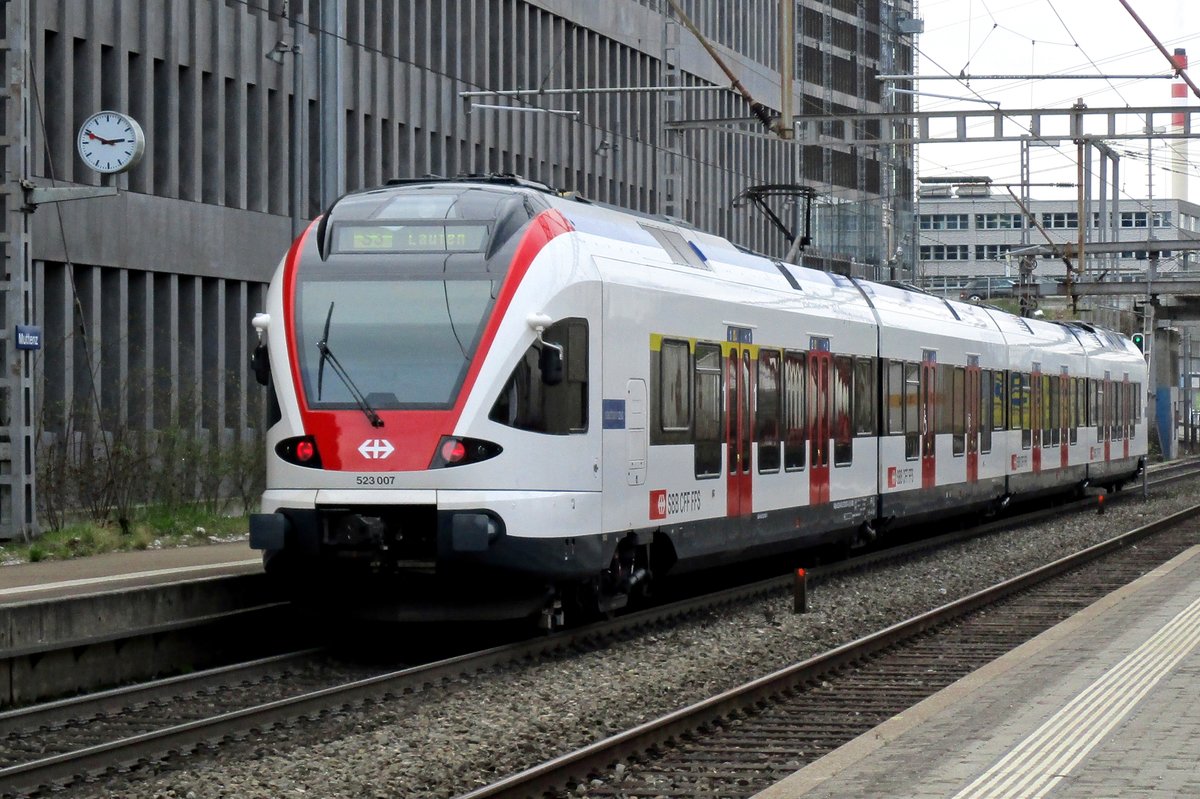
pixel 82 624
pixel 56 579
pixel 1105 704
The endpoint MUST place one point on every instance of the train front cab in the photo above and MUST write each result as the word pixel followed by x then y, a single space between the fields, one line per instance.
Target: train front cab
pixel 497 474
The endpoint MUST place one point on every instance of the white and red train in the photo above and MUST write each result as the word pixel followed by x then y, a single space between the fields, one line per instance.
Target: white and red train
pixel 491 383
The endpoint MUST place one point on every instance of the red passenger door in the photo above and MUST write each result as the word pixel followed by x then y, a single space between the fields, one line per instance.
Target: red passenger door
pixel 1065 398
pixel 929 419
pixel 738 424
pixel 1035 420
pixel 820 430
pixel 973 420
pixel 1106 416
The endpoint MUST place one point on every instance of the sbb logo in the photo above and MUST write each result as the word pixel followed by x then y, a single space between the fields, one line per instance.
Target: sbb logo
pixel 658 504
pixel 891 477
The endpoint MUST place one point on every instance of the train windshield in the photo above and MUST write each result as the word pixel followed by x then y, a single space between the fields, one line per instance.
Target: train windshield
pixel 402 343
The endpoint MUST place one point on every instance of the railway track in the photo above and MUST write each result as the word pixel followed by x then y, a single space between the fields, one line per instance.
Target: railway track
pixel 61 742
pixel 739 742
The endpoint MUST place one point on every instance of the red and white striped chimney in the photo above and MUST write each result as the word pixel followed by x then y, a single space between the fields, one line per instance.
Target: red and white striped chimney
pixel 1179 147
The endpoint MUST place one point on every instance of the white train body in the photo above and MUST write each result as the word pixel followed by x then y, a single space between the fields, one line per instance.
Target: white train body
pixel 707 404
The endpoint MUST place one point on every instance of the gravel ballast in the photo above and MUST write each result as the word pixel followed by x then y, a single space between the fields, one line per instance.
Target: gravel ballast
pixel 468 732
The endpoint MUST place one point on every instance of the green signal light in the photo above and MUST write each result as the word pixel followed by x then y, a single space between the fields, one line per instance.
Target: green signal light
pixel 1139 342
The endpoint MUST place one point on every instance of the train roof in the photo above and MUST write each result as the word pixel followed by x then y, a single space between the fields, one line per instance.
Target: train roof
pixel 686 244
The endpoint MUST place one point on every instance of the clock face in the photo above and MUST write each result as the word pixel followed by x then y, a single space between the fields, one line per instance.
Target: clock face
pixel 111 142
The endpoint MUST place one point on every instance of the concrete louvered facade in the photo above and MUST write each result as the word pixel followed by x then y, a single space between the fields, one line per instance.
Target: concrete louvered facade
pixel 144 298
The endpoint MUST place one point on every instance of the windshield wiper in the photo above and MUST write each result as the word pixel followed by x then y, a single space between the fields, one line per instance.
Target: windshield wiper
pixel 327 355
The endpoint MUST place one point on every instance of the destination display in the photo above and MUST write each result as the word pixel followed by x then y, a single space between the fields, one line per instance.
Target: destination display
pixel 411 238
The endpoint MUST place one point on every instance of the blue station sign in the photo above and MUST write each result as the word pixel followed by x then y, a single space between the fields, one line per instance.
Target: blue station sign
pixel 29 337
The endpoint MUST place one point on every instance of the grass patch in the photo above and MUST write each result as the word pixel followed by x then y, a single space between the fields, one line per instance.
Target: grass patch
pixel 154 528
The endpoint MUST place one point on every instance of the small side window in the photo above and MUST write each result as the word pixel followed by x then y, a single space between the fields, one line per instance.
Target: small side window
pixel 766 416
pixel 843 403
pixel 527 403
pixel 864 397
pixel 796 442
pixel 895 398
pixel 674 394
pixel 708 410
pixel 912 411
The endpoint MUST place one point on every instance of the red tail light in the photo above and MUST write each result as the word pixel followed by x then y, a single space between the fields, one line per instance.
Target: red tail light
pixel 305 451
pixel 301 451
pixel 454 451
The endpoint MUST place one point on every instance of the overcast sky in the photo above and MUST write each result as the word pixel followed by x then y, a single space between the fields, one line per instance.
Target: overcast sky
pixel 1044 37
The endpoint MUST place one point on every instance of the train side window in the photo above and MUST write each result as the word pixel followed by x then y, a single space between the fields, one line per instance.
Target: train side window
pixel 674 394
pixel 1128 410
pixel 527 403
pixel 986 388
pixel 865 417
pixel 958 409
pixel 895 398
pixel 766 416
pixel 707 413
pixel 1114 403
pixel 1085 402
pixel 1132 419
pixel 1074 409
pixel 912 411
pixel 1014 400
pixel 795 444
pixel 1122 409
pixel 1108 398
pixel 999 400
pixel 1097 398
pixel 1041 409
pixel 944 418
pixel 843 403
pixel 1113 395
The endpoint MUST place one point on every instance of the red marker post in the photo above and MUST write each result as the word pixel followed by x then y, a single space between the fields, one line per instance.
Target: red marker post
pixel 1100 505
pixel 800 592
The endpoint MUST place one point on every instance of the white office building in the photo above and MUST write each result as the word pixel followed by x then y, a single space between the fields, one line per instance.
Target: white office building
pixel 977 231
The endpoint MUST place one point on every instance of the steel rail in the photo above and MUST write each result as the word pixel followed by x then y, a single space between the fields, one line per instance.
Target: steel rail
pixel 115 699
pixel 64 768
pixel 578 765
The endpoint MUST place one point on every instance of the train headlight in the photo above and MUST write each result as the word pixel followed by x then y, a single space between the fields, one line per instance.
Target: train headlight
pixel 300 451
pixel 455 451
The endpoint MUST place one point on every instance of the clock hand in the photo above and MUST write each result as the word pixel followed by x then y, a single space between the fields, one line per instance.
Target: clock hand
pixel 101 139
